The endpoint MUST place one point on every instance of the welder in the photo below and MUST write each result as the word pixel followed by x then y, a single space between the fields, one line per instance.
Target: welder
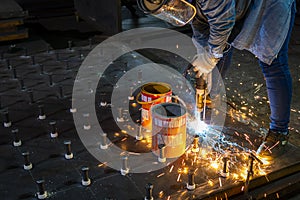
pixel 261 27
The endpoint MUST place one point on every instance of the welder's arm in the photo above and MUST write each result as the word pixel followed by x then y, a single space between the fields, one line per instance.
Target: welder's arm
pixel 220 16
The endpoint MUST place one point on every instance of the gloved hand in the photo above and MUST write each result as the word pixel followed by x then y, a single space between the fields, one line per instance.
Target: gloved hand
pixel 204 64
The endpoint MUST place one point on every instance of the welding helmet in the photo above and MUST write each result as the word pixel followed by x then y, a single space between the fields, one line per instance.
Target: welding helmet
pixel 176 12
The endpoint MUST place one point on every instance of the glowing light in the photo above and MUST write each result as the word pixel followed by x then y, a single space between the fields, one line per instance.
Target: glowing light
pixel 185 170
pixel 197 126
pixel 102 164
pixel 235 176
pixel 171 169
pixel 161 194
pixel 134 105
pixel 160 175
pixel 210 183
pixel 214 165
pixel 203 152
pixel 117 134
pixel 178 178
pixel 244 173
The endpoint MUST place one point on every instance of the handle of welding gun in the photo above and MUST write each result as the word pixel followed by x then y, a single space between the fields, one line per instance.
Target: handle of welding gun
pixel 203 87
pixel 200 92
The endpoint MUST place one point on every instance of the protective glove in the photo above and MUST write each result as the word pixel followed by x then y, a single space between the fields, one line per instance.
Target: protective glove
pixel 203 62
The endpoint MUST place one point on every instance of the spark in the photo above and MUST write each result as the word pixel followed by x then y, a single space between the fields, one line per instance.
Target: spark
pixel 161 194
pixel 247 138
pixel 267 178
pixel 171 169
pixel 184 170
pixel 178 178
pixel 102 164
pixel 244 108
pixel 244 173
pixel 134 105
pixel 117 134
pixel 210 183
pixel 160 175
pixel 235 176
pixel 214 165
pixel 274 145
pixel 133 153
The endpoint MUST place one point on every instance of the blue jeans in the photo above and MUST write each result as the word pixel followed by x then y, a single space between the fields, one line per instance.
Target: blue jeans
pixel 279 85
pixel 277 75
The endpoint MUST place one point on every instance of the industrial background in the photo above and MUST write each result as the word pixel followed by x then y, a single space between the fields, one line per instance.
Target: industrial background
pixel 42 45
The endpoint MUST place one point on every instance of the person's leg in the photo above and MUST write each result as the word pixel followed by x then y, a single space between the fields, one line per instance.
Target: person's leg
pixel 279 86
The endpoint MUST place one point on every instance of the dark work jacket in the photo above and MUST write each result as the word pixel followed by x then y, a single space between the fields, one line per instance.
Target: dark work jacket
pixel 265 25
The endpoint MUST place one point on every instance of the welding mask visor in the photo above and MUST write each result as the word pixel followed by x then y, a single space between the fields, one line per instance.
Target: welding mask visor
pixel 175 12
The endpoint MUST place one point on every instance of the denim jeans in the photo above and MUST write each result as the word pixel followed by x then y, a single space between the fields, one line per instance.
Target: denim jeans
pixel 279 85
pixel 277 75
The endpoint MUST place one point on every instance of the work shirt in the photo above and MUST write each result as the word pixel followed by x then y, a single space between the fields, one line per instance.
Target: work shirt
pixel 264 30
